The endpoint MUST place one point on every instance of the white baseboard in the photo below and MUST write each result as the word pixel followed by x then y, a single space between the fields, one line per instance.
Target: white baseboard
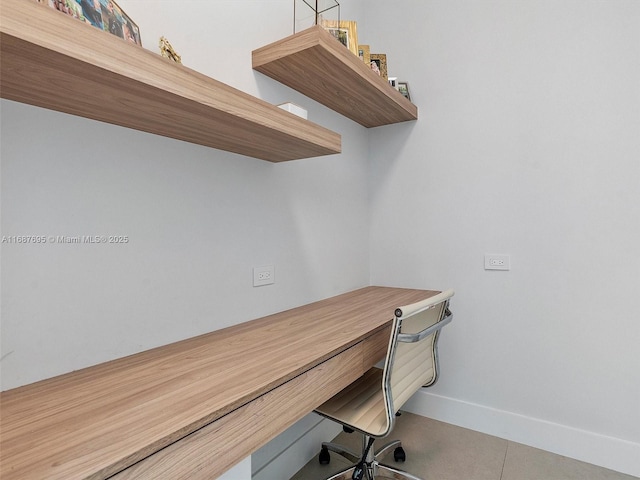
pixel 613 453
pixel 291 451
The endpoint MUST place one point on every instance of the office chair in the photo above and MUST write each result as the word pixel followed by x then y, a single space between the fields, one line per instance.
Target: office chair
pixel 370 404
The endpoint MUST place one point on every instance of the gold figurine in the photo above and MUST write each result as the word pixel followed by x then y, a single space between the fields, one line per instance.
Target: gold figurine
pixel 166 50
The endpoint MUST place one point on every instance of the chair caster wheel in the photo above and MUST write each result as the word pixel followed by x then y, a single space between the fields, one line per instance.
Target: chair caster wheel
pixel 324 458
pixel 399 455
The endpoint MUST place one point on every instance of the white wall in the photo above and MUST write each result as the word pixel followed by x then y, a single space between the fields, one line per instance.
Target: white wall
pixel 197 219
pixel 528 143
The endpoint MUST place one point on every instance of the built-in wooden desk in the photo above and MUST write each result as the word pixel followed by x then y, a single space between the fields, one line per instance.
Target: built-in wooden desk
pixel 195 408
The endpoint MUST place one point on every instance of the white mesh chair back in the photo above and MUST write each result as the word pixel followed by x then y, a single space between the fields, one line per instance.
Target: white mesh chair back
pixel 412 358
pixel 370 403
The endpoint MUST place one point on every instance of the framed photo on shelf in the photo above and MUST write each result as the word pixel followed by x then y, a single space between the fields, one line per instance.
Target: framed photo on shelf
pixel 403 88
pixel 346 32
pixel 103 14
pixel 364 52
pixel 379 64
pixel 118 23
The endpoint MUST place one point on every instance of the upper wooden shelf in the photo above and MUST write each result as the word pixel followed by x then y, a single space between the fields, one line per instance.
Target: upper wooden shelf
pixel 54 61
pixel 314 63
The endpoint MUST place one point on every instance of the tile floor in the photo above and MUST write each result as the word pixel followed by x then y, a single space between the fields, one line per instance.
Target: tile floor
pixel 437 450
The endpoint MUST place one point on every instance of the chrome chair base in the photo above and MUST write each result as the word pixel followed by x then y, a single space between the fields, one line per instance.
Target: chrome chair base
pixel 373 468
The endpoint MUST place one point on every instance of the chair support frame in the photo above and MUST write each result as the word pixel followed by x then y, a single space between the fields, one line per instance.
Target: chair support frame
pixel 372 466
pixel 412 338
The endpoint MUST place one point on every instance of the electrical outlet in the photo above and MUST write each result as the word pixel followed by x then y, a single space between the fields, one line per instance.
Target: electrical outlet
pixel 497 262
pixel 263 275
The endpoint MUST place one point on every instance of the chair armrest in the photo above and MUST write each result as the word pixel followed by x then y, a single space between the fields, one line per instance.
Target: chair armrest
pixel 416 337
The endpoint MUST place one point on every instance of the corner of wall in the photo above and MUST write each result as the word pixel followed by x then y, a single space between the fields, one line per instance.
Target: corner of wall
pixel 283 456
pixel 608 452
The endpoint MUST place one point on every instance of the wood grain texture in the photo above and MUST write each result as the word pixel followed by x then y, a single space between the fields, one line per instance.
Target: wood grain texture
pixel 212 450
pixel 314 63
pixel 97 421
pixel 375 346
pixel 45 62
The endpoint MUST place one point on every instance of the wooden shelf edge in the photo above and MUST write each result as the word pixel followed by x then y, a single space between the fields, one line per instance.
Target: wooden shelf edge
pixel 44 63
pixel 314 63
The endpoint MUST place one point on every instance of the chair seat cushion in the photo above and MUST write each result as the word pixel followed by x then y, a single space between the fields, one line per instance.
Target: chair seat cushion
pixel 360 405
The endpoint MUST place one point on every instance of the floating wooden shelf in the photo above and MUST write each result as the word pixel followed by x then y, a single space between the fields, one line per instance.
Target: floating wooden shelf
pixel 54 61
pixel 314 63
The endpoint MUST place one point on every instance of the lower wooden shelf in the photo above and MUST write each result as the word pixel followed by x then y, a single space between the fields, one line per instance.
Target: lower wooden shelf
pixel 194 408
pixel 213 449
pixel 53 61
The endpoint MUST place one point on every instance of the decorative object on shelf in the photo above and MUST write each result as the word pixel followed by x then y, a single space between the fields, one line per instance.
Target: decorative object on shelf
pixel 103 14
pixel 379 64
pixel 293 108
pixel 167 51
pixel 364 52
pixel 403 88
pixel 393 81
pixel 307 13
pixel 345 31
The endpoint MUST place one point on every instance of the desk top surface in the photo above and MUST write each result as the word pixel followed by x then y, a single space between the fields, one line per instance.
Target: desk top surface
pixel 80 423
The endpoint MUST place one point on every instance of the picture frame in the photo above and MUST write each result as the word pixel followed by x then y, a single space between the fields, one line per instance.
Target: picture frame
pixel 403 88
pixel 364 52
pixel 345 31
pixel 393 81
pixel 378 64
pixel 103 14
